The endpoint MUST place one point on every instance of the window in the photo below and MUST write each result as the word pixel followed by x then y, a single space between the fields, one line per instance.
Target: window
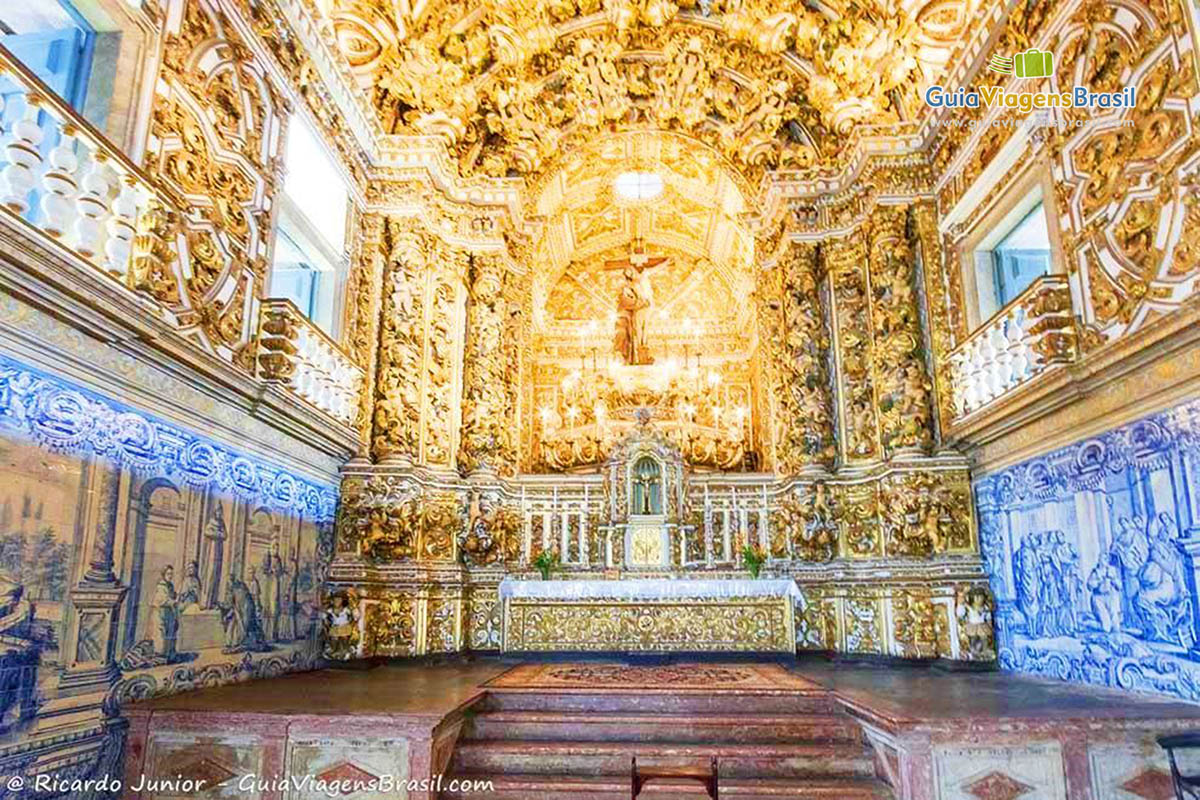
pixel 72 53
pixel 309 265
pixel 1014 254
pixel 638 185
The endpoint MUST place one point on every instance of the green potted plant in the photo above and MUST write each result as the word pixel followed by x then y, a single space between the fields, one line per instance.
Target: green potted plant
pixel 546 561
pixel 753 557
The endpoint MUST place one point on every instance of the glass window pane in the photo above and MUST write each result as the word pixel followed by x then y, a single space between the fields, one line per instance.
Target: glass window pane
pixel 1022 256
pixel 311 234
pixel 55 42
pixel 302 271
pixel 315 186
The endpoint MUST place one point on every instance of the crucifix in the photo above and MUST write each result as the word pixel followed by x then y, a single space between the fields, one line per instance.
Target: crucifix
pixel 634 301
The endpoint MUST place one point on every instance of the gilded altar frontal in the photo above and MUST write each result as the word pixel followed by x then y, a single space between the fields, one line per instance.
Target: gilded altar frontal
pixel 375 330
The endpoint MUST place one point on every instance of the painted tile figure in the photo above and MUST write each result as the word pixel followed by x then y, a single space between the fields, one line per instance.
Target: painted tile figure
pixel 185 521
pixel 165 607
pixel 239 615
pixel 1092 553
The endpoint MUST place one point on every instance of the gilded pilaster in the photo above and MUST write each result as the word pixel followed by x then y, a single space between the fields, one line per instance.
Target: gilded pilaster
pixel 939 302
pixel 800 344
pixel 441 372
pixel 902 389
pixel 846 262
pixel 486 376
pixel 397 392
pixel 364 291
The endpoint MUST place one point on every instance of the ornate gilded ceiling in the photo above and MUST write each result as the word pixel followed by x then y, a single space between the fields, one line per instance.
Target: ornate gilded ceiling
pixel 508 85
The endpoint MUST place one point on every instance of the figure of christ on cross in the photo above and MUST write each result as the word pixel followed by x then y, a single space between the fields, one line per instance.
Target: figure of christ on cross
pixel 634 301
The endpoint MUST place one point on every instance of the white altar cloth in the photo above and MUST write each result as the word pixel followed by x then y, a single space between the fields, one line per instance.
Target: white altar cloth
pixel 651 589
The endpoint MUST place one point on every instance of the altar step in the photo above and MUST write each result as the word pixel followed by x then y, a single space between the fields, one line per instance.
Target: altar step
pixel 616 787
pixel 560 746
pixel 792 702
pixel 650 727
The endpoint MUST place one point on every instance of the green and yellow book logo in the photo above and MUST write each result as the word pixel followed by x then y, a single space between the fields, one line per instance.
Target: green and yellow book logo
pixel 1030 64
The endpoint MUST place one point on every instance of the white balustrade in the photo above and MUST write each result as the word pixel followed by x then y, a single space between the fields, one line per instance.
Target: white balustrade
pixel 93 208
pixel 122 227
pixel 58 207
pixel 299 355
pixel 1013 347
pixel 23 159
pixel 61 176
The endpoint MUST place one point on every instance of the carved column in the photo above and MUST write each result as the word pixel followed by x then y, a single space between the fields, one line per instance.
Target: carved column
pixel 805 399
pixel 515 330
pixel 396 429
pixel 362 323
pixel 90 644
pixel 442 371
pixel 846 263
pixel 902 386
pixel 939 311
pixel 485 396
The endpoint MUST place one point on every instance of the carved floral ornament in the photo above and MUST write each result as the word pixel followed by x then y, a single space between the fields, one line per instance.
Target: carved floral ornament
pixel 506 84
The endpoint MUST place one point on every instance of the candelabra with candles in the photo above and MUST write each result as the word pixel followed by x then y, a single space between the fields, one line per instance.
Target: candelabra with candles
pixel 595 401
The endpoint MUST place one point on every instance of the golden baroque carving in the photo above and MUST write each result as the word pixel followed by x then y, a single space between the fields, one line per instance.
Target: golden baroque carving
pixel 488 438
pixel 214 141
pixel 924 513
pixel 810 522
pixel 397 417
pixel 914 624
pixel 941 299
pixel 901 383
pixel 696 625
pixel 846 262
pixel 483 618
pixel 443 343
pixel 799 340
pixel 492 534
pixel 391 625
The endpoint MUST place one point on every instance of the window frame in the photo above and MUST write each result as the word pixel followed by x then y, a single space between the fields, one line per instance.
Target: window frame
pixel 285 206
pixel 1018 193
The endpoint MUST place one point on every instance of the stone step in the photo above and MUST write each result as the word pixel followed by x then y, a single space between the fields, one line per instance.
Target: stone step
pixel 647 726
pixel 771 702
pixel 542 787
pixel 572 758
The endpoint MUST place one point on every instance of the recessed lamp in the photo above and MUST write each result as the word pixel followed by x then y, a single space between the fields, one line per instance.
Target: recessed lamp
pixel 638 185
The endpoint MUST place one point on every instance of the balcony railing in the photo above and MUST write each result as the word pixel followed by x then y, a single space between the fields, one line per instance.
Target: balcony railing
pixel 62 176
pixel 1029 336
pixel 297 354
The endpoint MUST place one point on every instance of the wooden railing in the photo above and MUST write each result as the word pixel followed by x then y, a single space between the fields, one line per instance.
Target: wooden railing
pixel 1031 335
pixel 297 354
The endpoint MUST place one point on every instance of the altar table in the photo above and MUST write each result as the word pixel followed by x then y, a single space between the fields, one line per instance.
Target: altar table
pixel 682 615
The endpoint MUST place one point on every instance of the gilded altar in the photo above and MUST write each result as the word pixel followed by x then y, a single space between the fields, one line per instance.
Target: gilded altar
pixel 647 615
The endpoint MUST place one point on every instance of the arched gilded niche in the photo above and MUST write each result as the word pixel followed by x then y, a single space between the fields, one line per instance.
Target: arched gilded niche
pixel 699 384
pixel 646 486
